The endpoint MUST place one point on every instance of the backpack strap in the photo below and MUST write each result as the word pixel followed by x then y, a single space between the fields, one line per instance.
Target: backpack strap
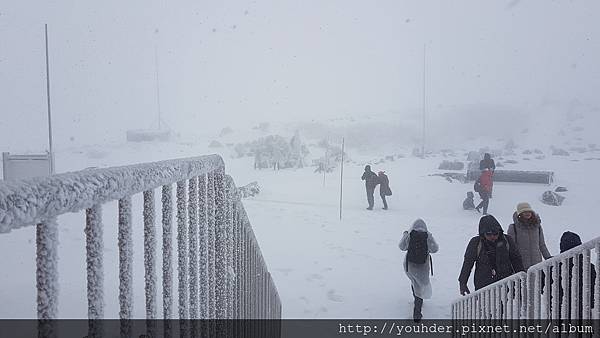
pixel 431 264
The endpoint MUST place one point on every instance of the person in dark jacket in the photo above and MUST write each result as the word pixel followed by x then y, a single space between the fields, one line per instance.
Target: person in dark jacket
pixel 487 163
pixel 371 181
pixel 469 203
pixel 569 240
pixel 495 256
pixel 384 187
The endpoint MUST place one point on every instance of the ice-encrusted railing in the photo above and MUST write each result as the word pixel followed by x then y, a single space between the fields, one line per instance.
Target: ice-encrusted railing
pixel 221 273
pixel 505 299
pixel 558 288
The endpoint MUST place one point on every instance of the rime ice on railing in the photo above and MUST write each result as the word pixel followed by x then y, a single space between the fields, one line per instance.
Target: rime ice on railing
pixel 221 272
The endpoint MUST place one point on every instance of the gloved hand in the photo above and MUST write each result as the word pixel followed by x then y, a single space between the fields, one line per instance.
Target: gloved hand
pixel 464 289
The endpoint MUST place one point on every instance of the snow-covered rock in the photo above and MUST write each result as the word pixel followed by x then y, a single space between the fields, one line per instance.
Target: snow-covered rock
pixel 552 198
pixel 249 190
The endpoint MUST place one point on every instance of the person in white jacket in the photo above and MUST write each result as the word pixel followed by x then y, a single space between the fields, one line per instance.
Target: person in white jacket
pixel 417 262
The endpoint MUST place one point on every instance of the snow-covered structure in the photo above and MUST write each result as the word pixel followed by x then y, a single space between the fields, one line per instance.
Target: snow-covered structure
pixel 225 279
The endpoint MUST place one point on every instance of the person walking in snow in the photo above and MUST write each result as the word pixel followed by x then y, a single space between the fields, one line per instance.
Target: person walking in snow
pixel 495 256
pixel 371 182
pixel 469 203
pixel 487 163
pixel 419 244
pixel 384 187
pixel 528 234
pixel 483 186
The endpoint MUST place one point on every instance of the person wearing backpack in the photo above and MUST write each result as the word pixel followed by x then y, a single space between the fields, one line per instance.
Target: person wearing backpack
pixel 495 256
pixel 418 243
pixel 384 187
pixel 528 234
pixel 484 188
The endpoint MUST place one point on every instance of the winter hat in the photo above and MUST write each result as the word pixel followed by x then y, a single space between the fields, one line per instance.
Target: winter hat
pixel 522 207
pixel 488 223
pixel 569 240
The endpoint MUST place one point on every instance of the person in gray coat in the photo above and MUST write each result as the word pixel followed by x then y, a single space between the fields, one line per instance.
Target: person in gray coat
pixel 418 273
pixel 528 235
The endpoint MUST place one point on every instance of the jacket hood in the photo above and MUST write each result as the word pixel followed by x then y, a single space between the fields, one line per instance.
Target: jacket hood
pixel 489 223
pixel 569 240
pixel 487 156
pixel 367 168
pixel 419 225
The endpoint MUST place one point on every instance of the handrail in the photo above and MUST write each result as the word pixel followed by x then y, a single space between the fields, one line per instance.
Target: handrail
pixel 29 201
pixel 221 271
pixel 543 296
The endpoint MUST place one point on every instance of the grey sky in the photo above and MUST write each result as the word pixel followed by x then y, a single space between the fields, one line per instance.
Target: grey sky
pixel 221 61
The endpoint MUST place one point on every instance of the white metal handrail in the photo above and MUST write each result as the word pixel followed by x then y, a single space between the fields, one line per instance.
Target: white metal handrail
pixel 221 272
pixel 542 292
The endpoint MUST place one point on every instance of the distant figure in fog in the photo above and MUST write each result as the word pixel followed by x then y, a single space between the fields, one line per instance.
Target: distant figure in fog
pixel 495 256
pixel 483 186
pixel 469 203
pixel 487 163
pixel 419 244
pixel 371 182
pixel 384 187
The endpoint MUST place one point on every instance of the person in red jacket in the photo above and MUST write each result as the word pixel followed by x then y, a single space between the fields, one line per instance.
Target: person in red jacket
pixel 485 190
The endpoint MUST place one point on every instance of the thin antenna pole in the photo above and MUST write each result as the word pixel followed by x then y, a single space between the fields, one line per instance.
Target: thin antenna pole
pixel 326 164
pixel 423 138
pixel 50 146
pixel 341 178
pixel 157 86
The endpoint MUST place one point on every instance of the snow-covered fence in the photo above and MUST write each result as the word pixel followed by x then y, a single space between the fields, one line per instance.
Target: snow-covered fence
pixel 221 273
pixel 564 287
pixel 505 299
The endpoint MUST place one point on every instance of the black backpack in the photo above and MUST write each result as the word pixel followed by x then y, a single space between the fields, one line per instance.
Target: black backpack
pixel 417 247
pixel 477 186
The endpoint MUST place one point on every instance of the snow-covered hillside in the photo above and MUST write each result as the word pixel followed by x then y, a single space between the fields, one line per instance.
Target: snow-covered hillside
pixel 325 267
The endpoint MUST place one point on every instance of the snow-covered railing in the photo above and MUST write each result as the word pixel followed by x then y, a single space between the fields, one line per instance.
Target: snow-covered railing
pixel 558 288
pixel 221 273
pixel 561 286
pixel 505 299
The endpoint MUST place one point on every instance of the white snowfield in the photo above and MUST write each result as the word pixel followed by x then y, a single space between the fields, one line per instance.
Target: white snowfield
pixel 323 267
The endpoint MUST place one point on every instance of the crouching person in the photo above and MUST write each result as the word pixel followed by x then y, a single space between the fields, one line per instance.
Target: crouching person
pixel 469 202
pixel 495 256
pixel 419 244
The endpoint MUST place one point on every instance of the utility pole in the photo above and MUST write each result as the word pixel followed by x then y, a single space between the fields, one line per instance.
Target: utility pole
pixel 157 86
pixel 423 136
pixel 341 178
pixel 50 146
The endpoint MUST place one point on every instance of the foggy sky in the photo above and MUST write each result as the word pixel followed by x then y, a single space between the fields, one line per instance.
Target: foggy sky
pixel 226 61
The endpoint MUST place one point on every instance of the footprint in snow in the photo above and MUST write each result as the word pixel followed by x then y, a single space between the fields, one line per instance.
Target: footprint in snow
pixel 332 296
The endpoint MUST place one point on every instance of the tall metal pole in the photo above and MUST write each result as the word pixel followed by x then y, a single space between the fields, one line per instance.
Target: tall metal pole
pixel 423 138
pixel 341 178
pixel 51 150
pixel 157 86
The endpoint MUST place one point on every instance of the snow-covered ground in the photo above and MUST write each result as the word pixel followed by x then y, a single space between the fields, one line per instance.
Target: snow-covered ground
pixel 323 267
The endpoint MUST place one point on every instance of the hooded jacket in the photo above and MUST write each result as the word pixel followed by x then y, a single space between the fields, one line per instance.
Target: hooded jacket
pixel 370 178
pixel 493 260
pixel 419 273
pixel 529 238
pixel 487 162
pixel 569 240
